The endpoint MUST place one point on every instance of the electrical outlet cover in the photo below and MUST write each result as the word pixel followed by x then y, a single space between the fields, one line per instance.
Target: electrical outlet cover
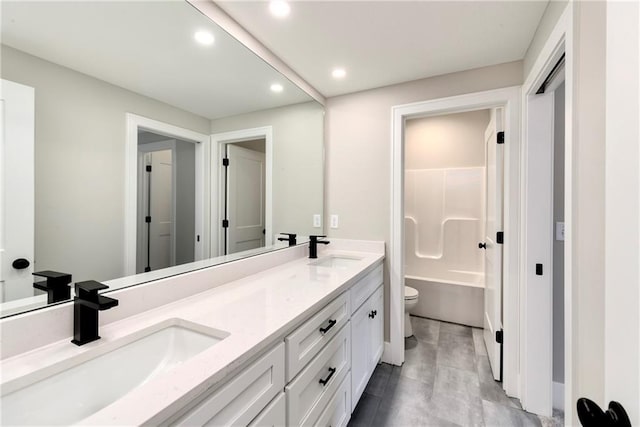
pixel 334 221
pixel 317 221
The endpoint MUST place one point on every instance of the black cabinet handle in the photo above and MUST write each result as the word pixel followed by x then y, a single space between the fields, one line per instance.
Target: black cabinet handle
pixel 482 245
pixel 373 313
pixel 324 381
pixel 329 326
pixel 20 263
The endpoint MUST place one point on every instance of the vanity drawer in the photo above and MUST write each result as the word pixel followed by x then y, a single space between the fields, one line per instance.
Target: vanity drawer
pixel 240 400
pixel 274 415
pixel 338 410
pixel 306 341
pixel 309 393
pixel 365 287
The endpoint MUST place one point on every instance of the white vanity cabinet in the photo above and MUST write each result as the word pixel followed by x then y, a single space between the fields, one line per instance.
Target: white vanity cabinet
pixel 243 398
pixel 314 377
pixel 367 329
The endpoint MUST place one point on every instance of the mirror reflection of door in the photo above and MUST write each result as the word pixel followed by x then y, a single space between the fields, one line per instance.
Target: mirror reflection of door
pixel 166 202
pixel 17 120
pixel 244 196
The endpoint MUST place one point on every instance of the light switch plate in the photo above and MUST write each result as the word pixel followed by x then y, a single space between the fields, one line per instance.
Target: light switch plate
pixel 317 220
pixel 334 221
pixel 559 230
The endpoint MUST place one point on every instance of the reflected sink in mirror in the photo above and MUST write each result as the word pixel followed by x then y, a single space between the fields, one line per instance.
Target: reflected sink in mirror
pixel 61 396
pixel 341 262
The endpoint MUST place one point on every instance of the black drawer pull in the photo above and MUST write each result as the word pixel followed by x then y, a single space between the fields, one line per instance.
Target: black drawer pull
pixel 324 381
pixel 329 326
pixel 373 313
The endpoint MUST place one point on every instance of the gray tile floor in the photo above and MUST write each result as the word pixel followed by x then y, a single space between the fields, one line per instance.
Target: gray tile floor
pixel 445 381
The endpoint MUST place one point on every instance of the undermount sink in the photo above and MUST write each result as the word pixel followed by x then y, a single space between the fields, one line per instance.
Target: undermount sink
pixel 340 262
pixel 63 395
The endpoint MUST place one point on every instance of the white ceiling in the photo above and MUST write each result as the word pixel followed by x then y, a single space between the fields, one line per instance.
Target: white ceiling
pixel 148 47
pixel 385 42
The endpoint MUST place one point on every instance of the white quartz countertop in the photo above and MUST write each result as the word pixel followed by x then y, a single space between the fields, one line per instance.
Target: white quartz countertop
pixel 257 311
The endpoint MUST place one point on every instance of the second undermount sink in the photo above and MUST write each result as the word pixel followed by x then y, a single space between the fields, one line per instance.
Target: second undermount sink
pixel 340 262
pixel 90 381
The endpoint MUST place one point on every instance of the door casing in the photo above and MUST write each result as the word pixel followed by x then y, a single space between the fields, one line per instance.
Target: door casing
pixel 218 141
pixel 510 99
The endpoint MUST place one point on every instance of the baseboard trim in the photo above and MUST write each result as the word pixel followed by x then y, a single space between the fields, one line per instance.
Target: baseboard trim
pixel 558 396
pixel 387 356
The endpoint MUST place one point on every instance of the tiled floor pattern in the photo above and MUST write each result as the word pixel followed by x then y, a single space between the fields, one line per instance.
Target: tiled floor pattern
pixel 445 381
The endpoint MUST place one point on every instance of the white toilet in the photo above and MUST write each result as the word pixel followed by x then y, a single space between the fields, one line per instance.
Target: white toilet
pixel 410 301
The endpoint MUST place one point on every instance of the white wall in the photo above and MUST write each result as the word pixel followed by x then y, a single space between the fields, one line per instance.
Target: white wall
pixel 297 161
pixel 588 200
pixel 358 135
pixel 80 146
pixel 448 141
pixel 622 241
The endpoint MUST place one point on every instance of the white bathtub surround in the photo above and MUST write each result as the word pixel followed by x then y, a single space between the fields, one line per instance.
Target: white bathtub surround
pixel 444 222
pixel 255 311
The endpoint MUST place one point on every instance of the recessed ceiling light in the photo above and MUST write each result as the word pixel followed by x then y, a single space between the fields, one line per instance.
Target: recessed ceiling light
pixel 276 87
pixel 204 37
pixel 338 73
pixel 279 8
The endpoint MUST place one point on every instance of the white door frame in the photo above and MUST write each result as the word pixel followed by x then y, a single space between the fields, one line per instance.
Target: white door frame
pixel 510 99
pixel 217 182
pixel 539 401
pixel 134 123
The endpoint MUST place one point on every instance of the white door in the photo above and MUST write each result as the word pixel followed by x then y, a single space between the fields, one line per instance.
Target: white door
pixel 537 323
pixel 245 199
pixel 493 249
pixel 17 117
pixel 158 200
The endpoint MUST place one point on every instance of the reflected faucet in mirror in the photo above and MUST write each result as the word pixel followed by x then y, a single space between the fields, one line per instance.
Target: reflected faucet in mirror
pixel 56 285
pixel 291 238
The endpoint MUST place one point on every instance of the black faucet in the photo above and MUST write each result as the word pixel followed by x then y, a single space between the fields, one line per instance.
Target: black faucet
pixel 291 238
pixel 56 286
pixel 313 245
pixel 86 305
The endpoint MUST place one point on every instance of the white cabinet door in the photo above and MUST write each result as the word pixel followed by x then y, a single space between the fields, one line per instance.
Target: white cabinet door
pixel 359 352
pixel 376 331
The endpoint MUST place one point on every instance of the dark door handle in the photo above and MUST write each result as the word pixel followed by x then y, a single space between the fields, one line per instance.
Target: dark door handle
pixel 373 313
pixel 329 326
pixel 20 263
pixel 482 245
pixel 324 381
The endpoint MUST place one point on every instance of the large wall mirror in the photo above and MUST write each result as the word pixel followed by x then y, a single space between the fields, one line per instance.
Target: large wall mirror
pixel 141 141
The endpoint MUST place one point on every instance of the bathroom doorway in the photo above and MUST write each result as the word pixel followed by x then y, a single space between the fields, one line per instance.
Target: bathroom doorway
pixel 166 202
pixel 509 100
pixel 176 186
pixel 453 222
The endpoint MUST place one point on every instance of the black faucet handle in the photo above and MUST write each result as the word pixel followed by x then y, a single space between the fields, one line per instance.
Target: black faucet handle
pixel 54 278
pixel 316 237
pixel 56 285
pixel 89 289
pixel 289 234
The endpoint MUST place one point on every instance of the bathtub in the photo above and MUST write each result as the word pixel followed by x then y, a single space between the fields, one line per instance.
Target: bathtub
pixel 457 301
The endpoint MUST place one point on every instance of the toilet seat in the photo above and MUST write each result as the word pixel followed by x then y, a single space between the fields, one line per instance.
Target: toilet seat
pixel 410 293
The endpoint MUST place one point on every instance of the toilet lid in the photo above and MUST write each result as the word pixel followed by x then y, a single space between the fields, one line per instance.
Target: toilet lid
pixel 410 293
